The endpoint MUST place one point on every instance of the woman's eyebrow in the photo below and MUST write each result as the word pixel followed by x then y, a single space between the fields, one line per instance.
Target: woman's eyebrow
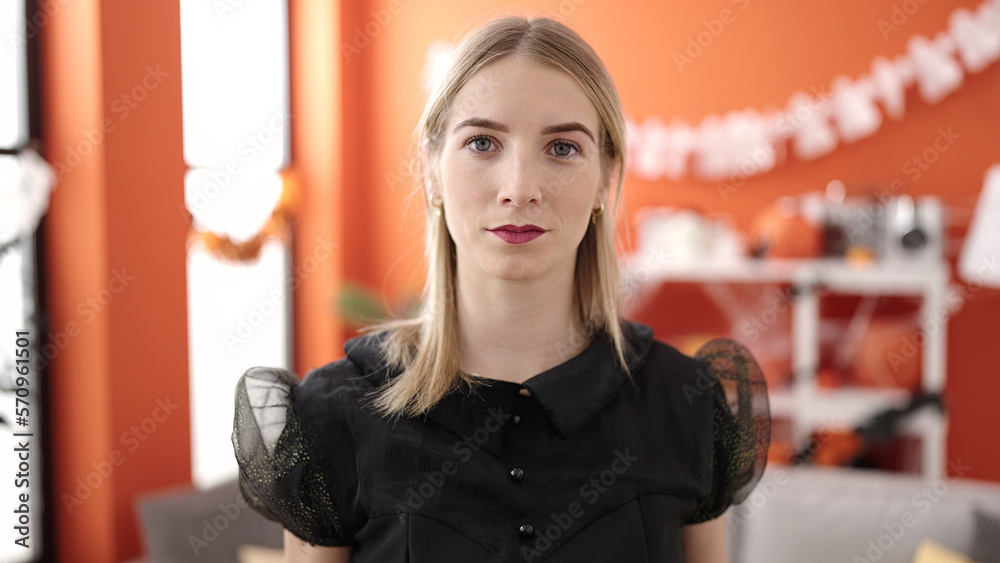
pixel 571 126
pixel 496 126
pixel 482 122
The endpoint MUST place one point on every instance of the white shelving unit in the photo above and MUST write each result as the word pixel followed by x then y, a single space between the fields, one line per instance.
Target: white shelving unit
pixel 805 404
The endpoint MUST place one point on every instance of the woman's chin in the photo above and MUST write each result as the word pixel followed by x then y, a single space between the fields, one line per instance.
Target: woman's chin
pixel 516 269
pixel 512 267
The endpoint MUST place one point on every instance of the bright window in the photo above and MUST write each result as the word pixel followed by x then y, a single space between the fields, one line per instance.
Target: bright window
pixel 17 302
pixel 236 142
pixel 13 76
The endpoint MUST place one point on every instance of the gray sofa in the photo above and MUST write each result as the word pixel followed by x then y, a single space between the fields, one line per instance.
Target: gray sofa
pixel 186 525
pixel 832 515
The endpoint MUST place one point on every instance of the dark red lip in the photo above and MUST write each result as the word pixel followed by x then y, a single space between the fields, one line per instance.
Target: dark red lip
pixel 518 235
pixel 516 229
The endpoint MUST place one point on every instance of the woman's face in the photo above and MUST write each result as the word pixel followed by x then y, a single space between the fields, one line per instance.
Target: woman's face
pixel 521 149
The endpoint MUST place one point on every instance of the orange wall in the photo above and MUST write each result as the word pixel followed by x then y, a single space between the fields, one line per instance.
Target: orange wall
pixel 113 210
pixel 115 261
pixel 770 50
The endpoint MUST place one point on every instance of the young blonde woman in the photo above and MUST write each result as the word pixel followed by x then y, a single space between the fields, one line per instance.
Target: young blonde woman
pixel 518 417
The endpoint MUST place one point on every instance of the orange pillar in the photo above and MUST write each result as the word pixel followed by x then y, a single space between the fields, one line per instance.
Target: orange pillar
pixel 115 268
pixel 318 249
pixel 331 160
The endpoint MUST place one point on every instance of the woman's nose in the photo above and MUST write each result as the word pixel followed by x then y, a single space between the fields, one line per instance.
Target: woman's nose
pixel 521 183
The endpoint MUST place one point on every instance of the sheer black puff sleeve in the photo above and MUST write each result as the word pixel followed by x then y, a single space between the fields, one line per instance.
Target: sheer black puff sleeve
pixel 741 427
pixel 282 476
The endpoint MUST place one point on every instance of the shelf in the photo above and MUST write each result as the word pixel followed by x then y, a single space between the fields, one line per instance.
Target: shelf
pixel 807 407
pixel 845 407
pixel 895 277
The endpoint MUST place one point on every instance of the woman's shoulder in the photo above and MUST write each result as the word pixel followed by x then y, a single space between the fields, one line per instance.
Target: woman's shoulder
pixel 651 353
pixel 332 379
pixel 717 358
pixel 338 388
pixel 668 365
pixel 331 389
pixel 718 366
pixel 336 378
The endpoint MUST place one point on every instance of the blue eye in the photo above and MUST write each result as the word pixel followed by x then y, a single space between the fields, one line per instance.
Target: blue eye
pixel 480 143
pixel 563 148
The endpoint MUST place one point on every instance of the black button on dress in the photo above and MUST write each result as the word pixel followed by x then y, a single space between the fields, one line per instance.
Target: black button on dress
pixel 591 468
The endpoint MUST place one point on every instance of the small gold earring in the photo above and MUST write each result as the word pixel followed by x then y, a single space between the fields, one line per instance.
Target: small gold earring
pixel 438 205
pixel 595 214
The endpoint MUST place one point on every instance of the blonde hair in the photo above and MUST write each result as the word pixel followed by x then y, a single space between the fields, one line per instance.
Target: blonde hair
pixel 425 347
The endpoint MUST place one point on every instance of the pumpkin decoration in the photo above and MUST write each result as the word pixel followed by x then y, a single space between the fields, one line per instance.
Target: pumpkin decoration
pixel 889 354
pixel 782 231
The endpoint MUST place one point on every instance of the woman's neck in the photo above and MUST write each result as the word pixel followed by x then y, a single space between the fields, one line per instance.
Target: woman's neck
pixel 513 330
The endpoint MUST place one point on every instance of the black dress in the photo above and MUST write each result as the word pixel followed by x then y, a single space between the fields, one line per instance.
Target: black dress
pixel 587 468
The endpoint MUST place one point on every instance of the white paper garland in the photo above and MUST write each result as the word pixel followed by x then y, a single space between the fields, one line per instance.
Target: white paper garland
pixel 24 195
pixel 747 143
